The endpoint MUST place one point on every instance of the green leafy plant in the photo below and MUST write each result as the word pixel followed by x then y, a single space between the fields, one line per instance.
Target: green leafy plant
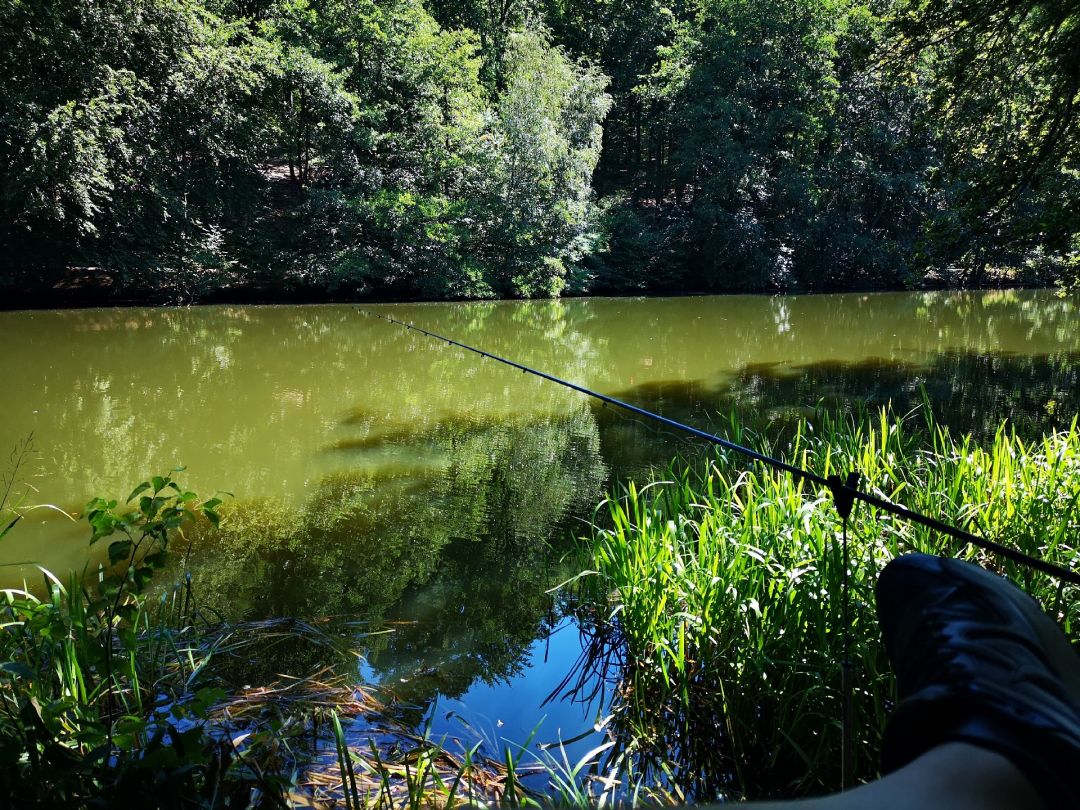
pixel 718 592
pixel 99 691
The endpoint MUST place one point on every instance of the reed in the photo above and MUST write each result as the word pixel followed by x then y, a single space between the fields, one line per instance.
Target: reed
pixel 720 588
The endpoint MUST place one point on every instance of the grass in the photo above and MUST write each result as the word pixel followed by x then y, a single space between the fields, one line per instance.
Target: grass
pixel 420 771
pixel 719 588
pixel 102 695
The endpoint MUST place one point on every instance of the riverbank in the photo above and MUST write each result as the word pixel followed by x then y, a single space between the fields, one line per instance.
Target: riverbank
pixel 95 287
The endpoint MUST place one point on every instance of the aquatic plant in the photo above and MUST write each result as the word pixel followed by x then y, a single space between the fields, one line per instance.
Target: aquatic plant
pixel 99 692
pixel 718 592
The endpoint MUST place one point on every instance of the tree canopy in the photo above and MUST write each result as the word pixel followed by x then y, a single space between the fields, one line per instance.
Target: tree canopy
pixel 191 148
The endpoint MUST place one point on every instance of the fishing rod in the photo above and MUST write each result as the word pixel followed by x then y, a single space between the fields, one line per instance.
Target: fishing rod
pixel 845 491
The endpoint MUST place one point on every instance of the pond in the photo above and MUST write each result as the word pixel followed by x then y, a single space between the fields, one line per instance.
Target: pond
pixel 386 477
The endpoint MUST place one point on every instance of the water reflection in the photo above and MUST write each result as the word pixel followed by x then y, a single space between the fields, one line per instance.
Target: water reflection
pixel 454 557
pixel 456 552
pixel 397 482
pixel 486 497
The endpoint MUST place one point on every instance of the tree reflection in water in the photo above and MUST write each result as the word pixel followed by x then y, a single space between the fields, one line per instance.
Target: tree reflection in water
pixel 454 552
pixel 451 535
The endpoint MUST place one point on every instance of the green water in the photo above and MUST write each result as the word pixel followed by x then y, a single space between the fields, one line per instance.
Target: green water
pixel 414 488
pixel 366 460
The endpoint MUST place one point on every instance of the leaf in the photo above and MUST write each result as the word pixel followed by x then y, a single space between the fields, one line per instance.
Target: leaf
pixel 143 576
pixel 8 528
pixel 127 612
pixel 150 506
pixel 135 492
pixel 19 669
pixel 110 585
pixel 102 523
pixel 205 698
pixel 119 550
pixel 159 483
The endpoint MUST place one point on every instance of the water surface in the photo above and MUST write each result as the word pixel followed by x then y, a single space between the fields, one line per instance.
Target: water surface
pixel 387 477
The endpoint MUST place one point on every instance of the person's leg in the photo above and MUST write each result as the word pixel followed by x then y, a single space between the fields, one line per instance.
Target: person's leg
pixel 989 688
pixel 953 776
pixel 978 662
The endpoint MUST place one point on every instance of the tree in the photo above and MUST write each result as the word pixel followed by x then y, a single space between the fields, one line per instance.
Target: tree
pixel 1007 77
pixel 128 133
pixel 1006 103
pixel 460 194
pixel 751 88
pixel 316 115
pixel 547 137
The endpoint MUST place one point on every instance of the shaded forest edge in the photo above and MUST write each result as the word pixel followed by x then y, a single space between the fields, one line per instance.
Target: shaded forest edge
pixel 174 151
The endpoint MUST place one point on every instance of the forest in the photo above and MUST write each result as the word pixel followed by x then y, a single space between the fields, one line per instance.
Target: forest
pixel 187 150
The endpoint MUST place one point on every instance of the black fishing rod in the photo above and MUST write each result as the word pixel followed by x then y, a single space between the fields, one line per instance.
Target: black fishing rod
pixel 845 491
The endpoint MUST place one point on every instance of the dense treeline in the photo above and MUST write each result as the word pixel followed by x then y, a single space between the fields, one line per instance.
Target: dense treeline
pixel 817 144
pixel 529 147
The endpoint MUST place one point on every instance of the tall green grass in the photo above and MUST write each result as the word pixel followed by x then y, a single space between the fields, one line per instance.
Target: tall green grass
pixel 719 589
pixel 100 692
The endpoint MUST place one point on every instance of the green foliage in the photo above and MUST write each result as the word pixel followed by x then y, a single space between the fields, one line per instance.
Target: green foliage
pixel 548 131
pixel 721 587
pixel 187 148
pixel 1007 88
pixel 450 192
pixel 829 145
pixel 355 145
pixel 99 693
pixel 129 129
pixel 786 162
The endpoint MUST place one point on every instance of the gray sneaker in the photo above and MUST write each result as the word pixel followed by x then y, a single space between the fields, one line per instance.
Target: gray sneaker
pixel 977 661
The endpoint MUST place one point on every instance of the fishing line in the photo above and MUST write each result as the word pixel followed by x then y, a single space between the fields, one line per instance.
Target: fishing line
pixel 844 492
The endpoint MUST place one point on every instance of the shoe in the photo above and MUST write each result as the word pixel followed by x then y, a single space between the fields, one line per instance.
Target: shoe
pixel 977 661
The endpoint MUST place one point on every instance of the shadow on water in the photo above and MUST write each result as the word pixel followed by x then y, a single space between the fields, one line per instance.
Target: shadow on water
pixel 966 391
